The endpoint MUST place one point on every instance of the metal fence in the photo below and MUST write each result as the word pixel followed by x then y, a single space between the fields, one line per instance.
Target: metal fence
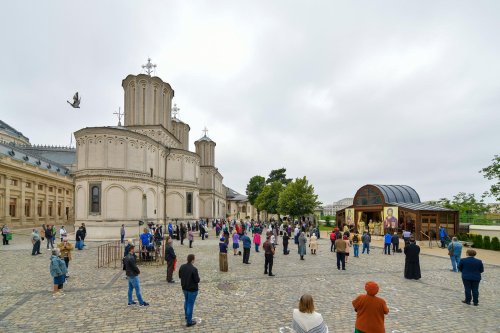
pixel 110 255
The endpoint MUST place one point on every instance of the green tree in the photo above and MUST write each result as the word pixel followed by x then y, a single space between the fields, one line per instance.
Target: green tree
pixel 278 175
pixel 492 172
pixel 254 188
pixel 298 198
pixel 268 198
pixel 467 205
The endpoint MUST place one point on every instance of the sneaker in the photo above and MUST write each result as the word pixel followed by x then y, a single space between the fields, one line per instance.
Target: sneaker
pixel 144 304
pixel 192 324
pixel 132 303
pixel 171 281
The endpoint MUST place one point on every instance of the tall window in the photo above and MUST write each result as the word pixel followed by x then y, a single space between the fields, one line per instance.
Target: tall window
pixel 243 209
pixel 27 207
pixel 51 208
pixel 189 203
pixel 95 199
pixel 39 208
pixel 59 208
pixel 12 207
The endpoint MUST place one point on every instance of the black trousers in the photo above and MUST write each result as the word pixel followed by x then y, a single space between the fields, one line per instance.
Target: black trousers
pixel 246 255
pixel 340 259
pixel 36 248
pixel 5 241
pixel 268 266
pixel 170 270
pixel 471 291
pixel 332 247
pixel 285 248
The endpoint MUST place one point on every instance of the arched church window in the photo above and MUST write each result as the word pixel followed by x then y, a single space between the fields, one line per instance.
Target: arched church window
pixel 95 199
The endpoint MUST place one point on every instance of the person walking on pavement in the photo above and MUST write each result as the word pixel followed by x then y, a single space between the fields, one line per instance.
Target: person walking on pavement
pixel 355 244
pixel 170 257
pixel 340 245
pixel 65 249
pixel 302 245
pixel 471 269
pixel 366 239
pixel 455 253
pixel 35 240
pixel 58 271
pixel 49 238
pixel 122 234
pixel 236 242
pixel 247 244
pixel 387 242
pixel 190 237
pixel 313 243
pixel 256 241
pixel 412 261
pixel 5 232
pixel 443 235
pixel 84 234
pixel 189 282
pixel 286 239
pixel 370 310
pixel 79 238
pixel 269 256
pixel 132 272
pixel 395 243
pixel 63 233
pixel 332 241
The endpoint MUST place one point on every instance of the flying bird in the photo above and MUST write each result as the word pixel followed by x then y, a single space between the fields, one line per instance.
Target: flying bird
pixel 76 101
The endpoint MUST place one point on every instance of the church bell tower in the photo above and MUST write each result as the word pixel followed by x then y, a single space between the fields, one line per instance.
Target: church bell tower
pixel 148 100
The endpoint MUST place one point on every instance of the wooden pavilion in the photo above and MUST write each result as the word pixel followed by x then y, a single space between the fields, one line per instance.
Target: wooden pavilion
pixel 397 208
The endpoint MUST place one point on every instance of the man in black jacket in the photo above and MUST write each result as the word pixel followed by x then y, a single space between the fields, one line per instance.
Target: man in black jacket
pixel 170 258
pixel 189 282
pixel 133 272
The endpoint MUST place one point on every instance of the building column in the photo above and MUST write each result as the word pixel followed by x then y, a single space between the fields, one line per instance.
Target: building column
pixel 22 219
pixel 7 218
pixel 35 203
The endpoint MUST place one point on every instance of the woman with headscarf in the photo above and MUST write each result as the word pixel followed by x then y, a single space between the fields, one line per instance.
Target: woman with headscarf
pixel 313 243
pixel 302 245
pixel 412 262
pixel 370 310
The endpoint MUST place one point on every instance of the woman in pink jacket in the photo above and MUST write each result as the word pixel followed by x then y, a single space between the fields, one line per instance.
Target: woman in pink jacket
pixel 256 241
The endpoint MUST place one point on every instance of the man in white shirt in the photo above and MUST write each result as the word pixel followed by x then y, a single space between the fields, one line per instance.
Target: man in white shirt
pixel 63 233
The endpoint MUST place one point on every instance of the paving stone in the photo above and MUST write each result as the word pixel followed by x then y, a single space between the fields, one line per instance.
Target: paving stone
pixel 240 300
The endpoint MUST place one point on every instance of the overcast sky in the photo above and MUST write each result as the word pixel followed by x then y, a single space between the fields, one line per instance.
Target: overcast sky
pixel 346 93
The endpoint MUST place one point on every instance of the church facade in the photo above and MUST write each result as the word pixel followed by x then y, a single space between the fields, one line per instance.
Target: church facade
pixel 142 170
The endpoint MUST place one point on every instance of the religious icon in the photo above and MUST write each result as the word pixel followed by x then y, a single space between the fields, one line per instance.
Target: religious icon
pixel 390 220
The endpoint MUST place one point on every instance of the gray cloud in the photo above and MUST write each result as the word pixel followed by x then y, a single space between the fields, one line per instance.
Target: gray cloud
pixel 344 93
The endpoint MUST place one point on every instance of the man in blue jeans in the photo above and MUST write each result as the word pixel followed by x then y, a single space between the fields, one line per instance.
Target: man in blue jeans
pixel 455 253
pixel 133 272
pixel 189 282
pixel 387 242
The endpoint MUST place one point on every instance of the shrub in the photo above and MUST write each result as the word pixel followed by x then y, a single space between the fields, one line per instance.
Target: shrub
pixel 486 243
pixel 478 242
pixel 495 244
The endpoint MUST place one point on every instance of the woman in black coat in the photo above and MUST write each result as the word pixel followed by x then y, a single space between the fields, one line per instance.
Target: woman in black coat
pixel 412 262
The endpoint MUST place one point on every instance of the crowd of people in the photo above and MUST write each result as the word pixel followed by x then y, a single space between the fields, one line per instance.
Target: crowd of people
pixel 245 235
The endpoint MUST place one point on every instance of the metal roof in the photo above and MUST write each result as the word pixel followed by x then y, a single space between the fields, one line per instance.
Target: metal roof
pixel 398 193
pixel 205 138
pixel 17 153
pixel 420 206
pixel 233 195
pixel 11 130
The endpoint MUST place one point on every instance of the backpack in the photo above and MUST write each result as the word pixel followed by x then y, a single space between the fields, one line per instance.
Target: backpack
pixel 333 236
pixel 355 239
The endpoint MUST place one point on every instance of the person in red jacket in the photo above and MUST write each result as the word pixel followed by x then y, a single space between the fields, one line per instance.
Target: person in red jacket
pixel 370 310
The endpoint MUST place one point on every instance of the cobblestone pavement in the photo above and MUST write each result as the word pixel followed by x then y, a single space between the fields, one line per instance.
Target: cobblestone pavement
pixel 241 300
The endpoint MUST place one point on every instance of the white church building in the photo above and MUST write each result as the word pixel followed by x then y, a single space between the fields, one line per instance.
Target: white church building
pixel 144 170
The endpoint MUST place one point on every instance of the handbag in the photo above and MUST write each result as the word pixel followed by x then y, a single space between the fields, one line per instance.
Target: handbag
pixel 8 236
pixel 450 252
